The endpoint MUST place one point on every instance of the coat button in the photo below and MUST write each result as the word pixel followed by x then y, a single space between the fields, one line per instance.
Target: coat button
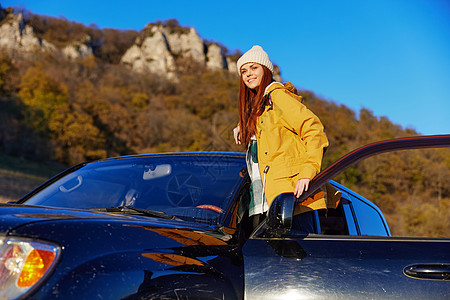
pixel 266 153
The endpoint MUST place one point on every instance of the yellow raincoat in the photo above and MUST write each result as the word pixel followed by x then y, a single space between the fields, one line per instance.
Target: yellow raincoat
pixel 291 141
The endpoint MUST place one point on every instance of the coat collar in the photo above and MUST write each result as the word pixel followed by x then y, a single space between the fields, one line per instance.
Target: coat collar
pixel 278 85
pixel 273 86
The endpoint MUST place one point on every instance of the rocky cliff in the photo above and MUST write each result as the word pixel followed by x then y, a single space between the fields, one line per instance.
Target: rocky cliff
pixel 16 36
pixel 160 48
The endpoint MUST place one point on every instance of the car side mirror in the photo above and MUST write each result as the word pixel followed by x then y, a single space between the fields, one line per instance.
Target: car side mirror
pixel 281 211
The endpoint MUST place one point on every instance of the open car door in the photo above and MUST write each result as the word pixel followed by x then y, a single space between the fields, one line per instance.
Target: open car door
pixel 352 254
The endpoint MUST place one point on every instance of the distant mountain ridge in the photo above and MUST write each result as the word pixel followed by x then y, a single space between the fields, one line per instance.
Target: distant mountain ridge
pixel 157 49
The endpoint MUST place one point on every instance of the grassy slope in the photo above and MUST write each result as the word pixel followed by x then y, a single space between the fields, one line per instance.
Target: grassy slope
pixel 18 176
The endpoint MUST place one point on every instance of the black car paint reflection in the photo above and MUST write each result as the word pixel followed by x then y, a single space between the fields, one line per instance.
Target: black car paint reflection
pixel 119 256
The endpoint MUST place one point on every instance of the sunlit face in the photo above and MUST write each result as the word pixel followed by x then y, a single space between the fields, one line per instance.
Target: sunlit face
pixel 252 74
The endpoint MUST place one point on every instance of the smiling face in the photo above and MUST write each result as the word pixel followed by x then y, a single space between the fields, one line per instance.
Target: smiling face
pixel 252 74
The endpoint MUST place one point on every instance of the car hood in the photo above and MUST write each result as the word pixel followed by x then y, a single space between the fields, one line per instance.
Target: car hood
pixel 14 216
pixel 66 226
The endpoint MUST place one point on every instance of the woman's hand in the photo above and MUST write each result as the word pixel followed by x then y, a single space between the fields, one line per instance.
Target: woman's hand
pixel 237 135
pixel 302 186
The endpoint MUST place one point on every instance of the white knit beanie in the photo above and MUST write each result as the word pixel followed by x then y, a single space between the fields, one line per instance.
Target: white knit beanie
pixel 255 55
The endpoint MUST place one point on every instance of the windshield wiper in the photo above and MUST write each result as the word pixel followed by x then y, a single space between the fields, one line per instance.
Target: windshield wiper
pixel 146 212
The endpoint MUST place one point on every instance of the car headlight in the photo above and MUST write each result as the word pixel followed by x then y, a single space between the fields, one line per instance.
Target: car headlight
pixel 23 264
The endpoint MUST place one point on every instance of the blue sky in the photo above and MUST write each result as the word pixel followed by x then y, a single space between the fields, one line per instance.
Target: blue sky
pixel 390 56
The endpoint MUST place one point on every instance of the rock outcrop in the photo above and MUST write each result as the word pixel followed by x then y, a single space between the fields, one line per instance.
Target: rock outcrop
pixel 215 59
pixel 79 49
pixel 185 43
pixel 158 46
pixel 16 35
pixel 152 55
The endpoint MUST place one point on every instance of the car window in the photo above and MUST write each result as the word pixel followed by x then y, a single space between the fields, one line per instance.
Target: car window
pixel 369 220
pixel 353 216
pixel 333 221
pixel 408 189
pixel 194 187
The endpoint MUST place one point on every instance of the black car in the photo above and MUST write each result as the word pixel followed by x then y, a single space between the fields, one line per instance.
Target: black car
pixel 176 226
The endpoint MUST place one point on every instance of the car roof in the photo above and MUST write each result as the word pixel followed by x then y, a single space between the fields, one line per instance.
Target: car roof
pixel 195 153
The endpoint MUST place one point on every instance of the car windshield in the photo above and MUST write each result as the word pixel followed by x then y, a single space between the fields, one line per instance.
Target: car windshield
pixel 192 187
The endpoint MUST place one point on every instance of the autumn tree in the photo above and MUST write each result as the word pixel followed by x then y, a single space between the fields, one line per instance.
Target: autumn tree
pixel 43 96
pixel 8 75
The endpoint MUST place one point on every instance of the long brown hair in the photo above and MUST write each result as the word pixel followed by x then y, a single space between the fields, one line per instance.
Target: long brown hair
pixel 251 105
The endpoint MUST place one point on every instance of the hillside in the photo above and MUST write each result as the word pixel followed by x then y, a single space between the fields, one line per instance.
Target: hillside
pixel 19 176
pixel 70 93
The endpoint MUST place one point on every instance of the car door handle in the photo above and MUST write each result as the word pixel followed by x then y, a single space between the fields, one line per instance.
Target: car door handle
pixel 428 271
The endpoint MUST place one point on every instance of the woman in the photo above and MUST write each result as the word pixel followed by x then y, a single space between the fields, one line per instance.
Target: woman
pixel 285 140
